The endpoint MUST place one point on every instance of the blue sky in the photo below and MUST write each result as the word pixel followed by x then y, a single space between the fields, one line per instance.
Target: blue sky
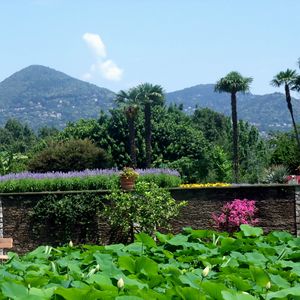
pixel 177 44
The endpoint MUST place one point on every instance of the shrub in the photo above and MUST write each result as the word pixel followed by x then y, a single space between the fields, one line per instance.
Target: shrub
pixel 71 155
pixel 235 213
pixel 275 174
pixel 72 217
pixel 145 209
pixel 99 179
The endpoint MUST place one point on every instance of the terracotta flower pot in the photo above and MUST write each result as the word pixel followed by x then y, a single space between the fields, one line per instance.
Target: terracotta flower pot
pixel 127 184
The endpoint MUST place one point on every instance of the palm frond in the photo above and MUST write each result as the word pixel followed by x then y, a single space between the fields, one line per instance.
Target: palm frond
pixel 233 82
pixel 284 77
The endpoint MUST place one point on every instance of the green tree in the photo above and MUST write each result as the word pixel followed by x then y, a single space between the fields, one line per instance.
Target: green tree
pixel 215 126
pixel 232 83
pixel 285 151
pixel 149 95
pixel 128 101
pixel 288 79
pixel 145 209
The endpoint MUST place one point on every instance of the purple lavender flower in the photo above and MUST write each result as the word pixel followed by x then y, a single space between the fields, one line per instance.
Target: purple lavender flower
pixel 85 173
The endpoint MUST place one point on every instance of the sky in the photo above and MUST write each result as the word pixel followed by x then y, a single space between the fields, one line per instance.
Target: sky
pixel 118 44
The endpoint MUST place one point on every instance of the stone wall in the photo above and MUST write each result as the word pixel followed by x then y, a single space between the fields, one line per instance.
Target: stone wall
pixel 297 210
pixel 278 209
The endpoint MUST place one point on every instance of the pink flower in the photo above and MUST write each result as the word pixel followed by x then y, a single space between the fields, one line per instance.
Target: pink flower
pixel 235 213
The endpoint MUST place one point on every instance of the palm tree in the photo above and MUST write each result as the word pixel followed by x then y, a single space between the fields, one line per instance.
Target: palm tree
pixel 149 95
pixel 232 83
pixel 296 83
pixel 288 79
pixel 131 106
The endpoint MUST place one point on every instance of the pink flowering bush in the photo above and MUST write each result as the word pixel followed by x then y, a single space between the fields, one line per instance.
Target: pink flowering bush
pixel 235 213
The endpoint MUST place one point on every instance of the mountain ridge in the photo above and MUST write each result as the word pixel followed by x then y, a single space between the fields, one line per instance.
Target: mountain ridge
pixel 267 112
pixel 42 96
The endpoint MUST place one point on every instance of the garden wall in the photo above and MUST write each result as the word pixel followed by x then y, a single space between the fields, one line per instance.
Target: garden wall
pixel 278 209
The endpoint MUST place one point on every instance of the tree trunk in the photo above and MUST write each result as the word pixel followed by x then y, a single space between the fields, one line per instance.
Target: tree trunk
pixel 290 108
pixel 132 145
pixel 148 134
pixel 235 138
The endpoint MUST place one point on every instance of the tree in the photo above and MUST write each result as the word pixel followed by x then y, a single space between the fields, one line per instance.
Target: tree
pixel 232 83
pixel 285 151
pixel 130 106
pixel 296 83
pixel 149 95
pixel 288 79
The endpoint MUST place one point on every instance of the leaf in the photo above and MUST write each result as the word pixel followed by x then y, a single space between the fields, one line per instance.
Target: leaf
pixel 127 263
pixel 282 236
pixel 128 298
pixel 213 289
pixel 42 294
pixel 178 240
pixel 13 290
pixel 294 242
pixel 251 231
pixel 188 293
pixel 72 293
pixel 190 279
pixel 256 258
pixel 259 276
pixel 163 238
pixel 146 266
pixel 134 248
pixel 229 244
pixel 279 281
pixel 146 240
pixel 237 296
pixel 106 264
pixel 293 291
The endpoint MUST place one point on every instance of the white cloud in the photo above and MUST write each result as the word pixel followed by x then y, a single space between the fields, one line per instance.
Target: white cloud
pixel 95 43
pixel 110 70
pixel 106 67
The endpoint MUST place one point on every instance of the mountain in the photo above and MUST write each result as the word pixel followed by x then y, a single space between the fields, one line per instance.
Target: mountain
pixel 42 96
pixel 267 112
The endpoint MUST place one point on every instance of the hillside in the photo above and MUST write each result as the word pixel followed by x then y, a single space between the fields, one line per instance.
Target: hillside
pixel 267 112
pixel 43 96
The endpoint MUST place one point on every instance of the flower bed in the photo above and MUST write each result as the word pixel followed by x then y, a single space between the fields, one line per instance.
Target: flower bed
pixel 83 180
pixel 203 185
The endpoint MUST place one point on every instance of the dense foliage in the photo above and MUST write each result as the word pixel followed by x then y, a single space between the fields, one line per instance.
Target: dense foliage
pixel 198 146
pixel 69 155
pixel 71 217
pixel 145 209
pixel 285 151
pixel 179 141
pixel 197 264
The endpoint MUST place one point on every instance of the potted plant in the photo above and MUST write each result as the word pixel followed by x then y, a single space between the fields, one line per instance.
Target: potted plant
pixel 128 177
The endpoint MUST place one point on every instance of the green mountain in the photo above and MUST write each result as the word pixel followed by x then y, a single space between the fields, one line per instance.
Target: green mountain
pixel 42 96
pixel 267 112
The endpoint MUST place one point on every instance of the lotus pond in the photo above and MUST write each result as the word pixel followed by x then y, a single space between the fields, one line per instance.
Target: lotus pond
pixel 196 264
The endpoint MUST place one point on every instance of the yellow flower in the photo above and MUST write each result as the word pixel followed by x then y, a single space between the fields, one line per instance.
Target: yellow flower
pixel 204 185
